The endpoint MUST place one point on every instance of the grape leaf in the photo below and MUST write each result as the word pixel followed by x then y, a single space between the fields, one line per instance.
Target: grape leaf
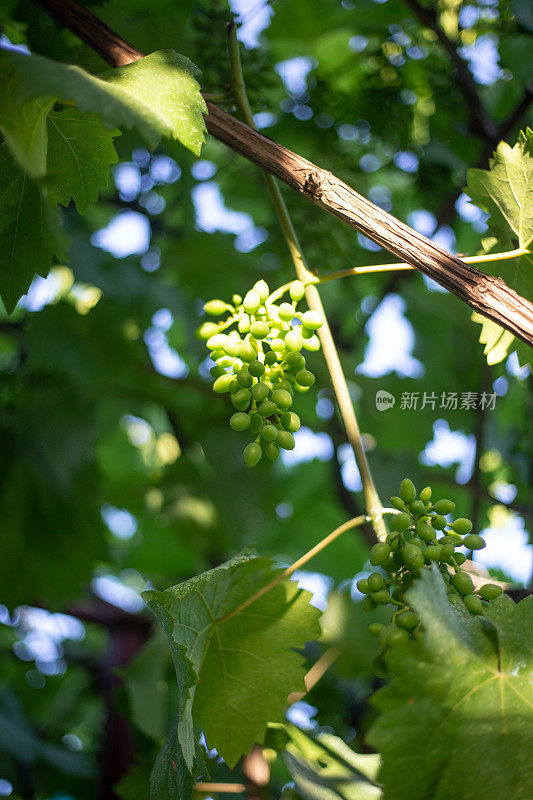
pixel 505 190
pixel 326 768
pixel 29 231
pixel 23 124
pixel 462 702
pixel 245 666
pixel 147 688
pixel 80 151
pixel 158 94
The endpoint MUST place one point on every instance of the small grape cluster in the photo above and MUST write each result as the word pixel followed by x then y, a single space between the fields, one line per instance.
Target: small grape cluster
pixel 420 536
pixel 258 360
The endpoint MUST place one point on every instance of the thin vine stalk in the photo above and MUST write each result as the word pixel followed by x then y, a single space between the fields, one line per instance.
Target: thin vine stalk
pixel 372 501
pixel 346 526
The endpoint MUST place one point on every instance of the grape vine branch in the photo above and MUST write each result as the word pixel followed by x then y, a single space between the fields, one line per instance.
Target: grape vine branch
pixel 486 294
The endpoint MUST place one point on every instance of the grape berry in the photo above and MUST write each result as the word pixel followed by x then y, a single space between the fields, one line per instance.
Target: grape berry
pixel 420 535
pixel 257 358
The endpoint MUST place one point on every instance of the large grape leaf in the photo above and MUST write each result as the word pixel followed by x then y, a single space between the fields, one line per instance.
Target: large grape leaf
pixel 326 768
pixel 158 94
pixel 462 703
pixel 23 124
pixel 245 666
pixel 505 191
pixel 29 231
pixel 80 151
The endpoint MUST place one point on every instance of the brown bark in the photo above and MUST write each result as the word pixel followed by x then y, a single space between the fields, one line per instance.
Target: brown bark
pixel 488 295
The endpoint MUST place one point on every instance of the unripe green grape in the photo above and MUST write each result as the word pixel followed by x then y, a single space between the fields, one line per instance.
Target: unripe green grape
pixel 243 325
pixel 398 503
pixel 400 522
pixel 474 542
pixel 256 423
pixel 473 603
pixel 272 451
pixel 207 330
pixel 235 386
pixel 449 540
pixel 438 522
pixel 267 408
pixel 368 604
pixel 252 454
pixel 463 583
pixel 242 399
pixel 282 398
pixel 216 307
pixel 412 557
pixel 217 371
pixel 259 329
pixel 290 421
pixel 232 347
pixel 489 591
pixel 384 635
pixel 217 354
pixel 260 392
pixel 285 385
pixel 454 537
pixel 244 378
pixel 389 565
pixel 239 421
pixel 379 666
pixel 444 507
pixel 251 302
pixel 261 289
pixel 446 550
pixel 311 320
pixel 297 290
pixel 460 558
pixel 269 433
pixel 379 553
pixel 294 360
pixel 417 508
pixel 286 312
pixel 417 542
pixel 270 358
pixel 286 440
pixel 217 341
pixel 362 585
pixel 375 582
pixel 425 494
pixel 425 532
pixel 305 378
pixel 236 299
pixel 375 628
pixel 294 341
pixel 396 637
pixel 454 598
pixel 222 383
pixel 407 620
pixel 278 345
pixel 312 344
pixel 247 352
pixel 461 526
pixel 225 361
pixel 381 597
pixel 256 369
pixel 407 490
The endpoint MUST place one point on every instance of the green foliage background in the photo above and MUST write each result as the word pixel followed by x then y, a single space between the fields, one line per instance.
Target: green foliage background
pixel 89 423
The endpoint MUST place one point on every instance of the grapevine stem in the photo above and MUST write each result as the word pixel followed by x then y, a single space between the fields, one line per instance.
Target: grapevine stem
pixel 346 273
pixel 317 671
pixel 372 501
pixel 346 526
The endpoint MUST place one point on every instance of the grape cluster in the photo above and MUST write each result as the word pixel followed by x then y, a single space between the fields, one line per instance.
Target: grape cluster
pixel 258 361
pixel 420 536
